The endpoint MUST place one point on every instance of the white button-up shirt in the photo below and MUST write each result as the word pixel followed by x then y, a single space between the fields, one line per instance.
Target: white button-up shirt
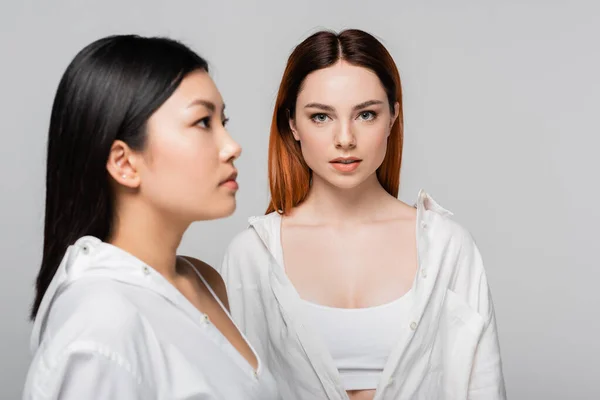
pixel 111 327
pixel 449 349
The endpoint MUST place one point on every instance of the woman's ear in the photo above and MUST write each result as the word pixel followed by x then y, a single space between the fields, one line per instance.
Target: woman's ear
pixel 121 165
pixel 396 114
pixel 293 126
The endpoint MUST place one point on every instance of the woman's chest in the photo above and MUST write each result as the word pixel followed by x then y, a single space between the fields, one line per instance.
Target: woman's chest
pixel 349 269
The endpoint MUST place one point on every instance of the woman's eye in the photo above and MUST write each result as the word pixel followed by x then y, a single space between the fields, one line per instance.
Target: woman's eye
pixel 225 121
pixel 203 123
pixel 367 115
pixel 319 118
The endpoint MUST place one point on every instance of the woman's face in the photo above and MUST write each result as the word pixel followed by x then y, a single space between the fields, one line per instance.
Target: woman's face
pixel 342 121
pixel 187 166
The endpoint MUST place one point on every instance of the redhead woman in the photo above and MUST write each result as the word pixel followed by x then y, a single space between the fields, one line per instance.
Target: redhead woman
pixel 347 292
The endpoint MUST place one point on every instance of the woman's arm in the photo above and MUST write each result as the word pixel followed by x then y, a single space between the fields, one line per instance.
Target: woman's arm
pixel 487 379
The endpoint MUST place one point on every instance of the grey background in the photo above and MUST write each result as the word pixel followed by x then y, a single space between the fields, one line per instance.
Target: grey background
pixel 501 105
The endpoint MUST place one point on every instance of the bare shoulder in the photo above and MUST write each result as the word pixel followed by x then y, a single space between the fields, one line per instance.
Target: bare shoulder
pixel 213 278
pixel 397 209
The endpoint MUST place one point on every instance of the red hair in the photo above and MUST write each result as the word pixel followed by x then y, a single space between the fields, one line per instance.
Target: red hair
pixel 289 176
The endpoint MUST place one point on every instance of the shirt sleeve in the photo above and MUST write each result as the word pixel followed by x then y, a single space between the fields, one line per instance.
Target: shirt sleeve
pixel 486 379
pixel 87 371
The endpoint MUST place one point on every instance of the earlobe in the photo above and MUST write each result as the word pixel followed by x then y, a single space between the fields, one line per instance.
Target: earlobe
pixel 121 165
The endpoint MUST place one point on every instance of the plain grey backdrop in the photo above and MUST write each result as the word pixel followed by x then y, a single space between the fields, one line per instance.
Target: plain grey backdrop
pixel 501 109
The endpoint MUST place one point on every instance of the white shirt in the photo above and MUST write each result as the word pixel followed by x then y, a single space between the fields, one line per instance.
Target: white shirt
pixel 450 350
pixel 111 327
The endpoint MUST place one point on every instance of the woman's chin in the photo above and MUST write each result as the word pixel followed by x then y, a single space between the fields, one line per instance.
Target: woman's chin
pixel 223 209
pixel 348 182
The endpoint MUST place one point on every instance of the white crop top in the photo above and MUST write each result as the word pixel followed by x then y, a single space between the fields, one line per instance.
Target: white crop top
pixel 360 339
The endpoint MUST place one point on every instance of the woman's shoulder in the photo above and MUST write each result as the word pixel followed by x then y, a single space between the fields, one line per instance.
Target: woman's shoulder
pixel 212 277
pixel 259 234
pixel 441 225
pixel 446 235
pixel 92 328
pixel 93 316
pixel 250 252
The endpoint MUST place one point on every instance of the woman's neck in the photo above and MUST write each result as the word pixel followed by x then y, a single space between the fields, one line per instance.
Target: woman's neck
pixel 149 236
pixel 328 204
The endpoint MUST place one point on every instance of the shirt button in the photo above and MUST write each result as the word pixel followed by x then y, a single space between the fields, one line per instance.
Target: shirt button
pixel 413 325
pixel 424 273
pixel 146 270
pixel 206 319
pixel 424 225
pixel 85 249
pixel 390 381
pixel 255 374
